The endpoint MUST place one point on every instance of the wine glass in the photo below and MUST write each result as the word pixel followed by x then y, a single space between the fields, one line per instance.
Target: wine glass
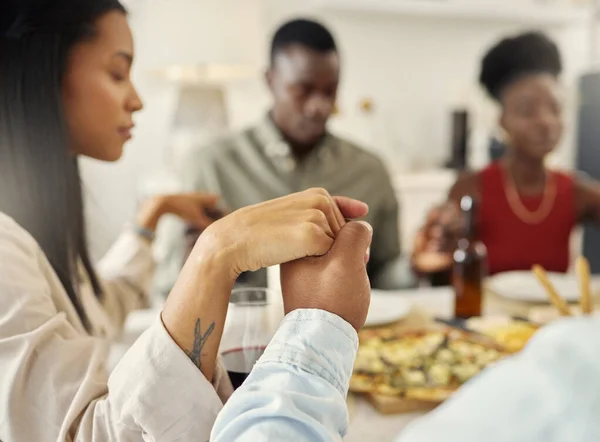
pixel 252 319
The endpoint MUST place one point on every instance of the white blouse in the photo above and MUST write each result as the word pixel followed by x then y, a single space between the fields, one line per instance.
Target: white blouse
pixel 54 385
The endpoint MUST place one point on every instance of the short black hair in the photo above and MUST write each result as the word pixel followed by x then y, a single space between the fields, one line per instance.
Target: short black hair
pixel 519 55
pixel 304 32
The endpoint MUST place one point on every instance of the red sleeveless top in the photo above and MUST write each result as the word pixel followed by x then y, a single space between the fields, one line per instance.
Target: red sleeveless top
pixel 515 245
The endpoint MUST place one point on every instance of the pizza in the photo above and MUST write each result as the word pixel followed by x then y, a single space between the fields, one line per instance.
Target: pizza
pixel 420 364
pixel 512 334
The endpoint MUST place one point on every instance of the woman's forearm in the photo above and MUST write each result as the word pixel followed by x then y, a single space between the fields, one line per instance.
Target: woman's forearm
pixel 263 235
pixel 194 314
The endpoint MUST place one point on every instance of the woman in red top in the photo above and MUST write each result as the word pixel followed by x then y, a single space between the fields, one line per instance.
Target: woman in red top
pixel 526 211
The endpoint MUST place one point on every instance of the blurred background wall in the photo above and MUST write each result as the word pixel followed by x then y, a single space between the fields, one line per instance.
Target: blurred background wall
pixel 199 68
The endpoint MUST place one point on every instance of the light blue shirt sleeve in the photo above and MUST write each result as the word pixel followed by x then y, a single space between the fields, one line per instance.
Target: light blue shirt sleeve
pixel 297 390
pixel 548 393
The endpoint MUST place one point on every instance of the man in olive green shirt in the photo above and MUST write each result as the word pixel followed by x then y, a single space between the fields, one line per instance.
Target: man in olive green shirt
pixel 290 150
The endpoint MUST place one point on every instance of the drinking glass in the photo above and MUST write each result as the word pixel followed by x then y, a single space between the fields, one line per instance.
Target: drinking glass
pixel 252 319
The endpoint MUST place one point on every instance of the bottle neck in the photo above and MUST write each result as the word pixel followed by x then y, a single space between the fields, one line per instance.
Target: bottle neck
pixel 470 225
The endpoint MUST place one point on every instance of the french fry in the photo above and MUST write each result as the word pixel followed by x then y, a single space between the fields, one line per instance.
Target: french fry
pixel 582 266
pixel 555 298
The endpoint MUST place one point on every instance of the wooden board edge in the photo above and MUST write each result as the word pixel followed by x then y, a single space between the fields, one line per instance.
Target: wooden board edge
pixel 395 405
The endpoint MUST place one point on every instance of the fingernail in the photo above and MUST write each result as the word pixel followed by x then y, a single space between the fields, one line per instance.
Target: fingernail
pixel 367 225
pixel 368 255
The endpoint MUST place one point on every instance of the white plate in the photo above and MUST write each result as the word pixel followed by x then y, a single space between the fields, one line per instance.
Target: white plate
pixel 523 286
pixel 386 307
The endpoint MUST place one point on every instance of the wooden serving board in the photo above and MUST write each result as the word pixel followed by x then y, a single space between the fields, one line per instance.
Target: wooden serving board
pixel 398 405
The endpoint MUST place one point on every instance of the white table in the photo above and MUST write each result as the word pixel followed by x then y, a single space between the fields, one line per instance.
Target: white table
pixel 367 424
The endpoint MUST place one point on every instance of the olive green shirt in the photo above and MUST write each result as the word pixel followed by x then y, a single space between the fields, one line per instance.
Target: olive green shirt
pixel 257 165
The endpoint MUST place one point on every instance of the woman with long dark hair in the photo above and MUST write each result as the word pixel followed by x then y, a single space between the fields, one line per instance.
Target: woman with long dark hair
pixel 65 91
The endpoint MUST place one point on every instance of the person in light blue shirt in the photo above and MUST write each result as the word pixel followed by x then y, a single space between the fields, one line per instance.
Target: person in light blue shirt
pixel 550 392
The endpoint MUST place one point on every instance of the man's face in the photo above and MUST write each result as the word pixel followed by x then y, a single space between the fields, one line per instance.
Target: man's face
pixel 304 86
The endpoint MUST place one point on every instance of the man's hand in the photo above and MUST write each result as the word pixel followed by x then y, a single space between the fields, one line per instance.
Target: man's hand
pixel 336 282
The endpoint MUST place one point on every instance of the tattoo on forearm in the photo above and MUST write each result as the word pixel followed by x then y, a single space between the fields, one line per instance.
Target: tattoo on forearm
pixel 199 341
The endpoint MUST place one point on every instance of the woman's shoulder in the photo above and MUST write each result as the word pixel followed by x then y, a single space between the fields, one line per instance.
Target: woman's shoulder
pixel 570 178
pixel 578 185
pixel 29 287
pixel 473 183
pixel 19 252
pixel 15 237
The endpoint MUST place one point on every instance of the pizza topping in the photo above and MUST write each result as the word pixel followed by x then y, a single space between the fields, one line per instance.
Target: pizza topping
pixel 464 372
pixel 414 378
pixel 486 358
pixel 399 354
pixel 440 374
pixel 431 343
pixel 389 390
pixel 394 363
pixel 445 355
pixel 370 366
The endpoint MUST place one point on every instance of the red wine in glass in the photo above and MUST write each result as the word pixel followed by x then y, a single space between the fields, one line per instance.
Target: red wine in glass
pixel 239 362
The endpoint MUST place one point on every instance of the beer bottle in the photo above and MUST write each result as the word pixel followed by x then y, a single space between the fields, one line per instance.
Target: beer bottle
pixel 470 264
